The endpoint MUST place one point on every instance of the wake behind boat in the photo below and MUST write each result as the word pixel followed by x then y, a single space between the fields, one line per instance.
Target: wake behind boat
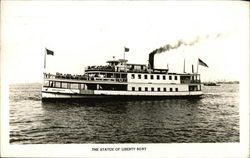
pixel 211 84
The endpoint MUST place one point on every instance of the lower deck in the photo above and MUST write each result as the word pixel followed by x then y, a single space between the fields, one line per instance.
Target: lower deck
pixel 67 89
pixel 88 94
pixel 97 98
pixel 132 86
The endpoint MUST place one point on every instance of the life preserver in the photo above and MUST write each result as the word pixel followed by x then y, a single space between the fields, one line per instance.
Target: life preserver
pixel 120 80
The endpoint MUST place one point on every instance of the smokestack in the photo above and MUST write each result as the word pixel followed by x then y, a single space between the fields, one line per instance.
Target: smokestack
pixel 151 60
pixel 192 68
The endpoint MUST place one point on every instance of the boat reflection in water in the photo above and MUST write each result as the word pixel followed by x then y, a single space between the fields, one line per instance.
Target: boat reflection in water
pixel 212 118
pixel 151 121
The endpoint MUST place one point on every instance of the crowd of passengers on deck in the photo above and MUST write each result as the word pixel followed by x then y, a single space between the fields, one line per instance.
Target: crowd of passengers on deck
pixel 76 77
pixel 106 67
pixel 66 76
pixel 129 68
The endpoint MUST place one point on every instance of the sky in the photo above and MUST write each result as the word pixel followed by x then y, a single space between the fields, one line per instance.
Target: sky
pixel 90 33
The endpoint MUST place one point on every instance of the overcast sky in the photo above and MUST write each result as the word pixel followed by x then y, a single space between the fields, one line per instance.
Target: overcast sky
pixel 90 33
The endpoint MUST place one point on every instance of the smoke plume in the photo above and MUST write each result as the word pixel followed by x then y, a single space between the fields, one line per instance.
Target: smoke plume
pixel 181 42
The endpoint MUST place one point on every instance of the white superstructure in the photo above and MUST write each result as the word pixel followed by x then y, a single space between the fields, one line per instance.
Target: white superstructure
pixel 120 79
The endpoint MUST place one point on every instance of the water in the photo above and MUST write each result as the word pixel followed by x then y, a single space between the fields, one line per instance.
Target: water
pixel 213 118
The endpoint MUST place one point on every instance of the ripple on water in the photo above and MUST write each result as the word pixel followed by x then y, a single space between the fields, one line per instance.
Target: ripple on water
pixel 214 118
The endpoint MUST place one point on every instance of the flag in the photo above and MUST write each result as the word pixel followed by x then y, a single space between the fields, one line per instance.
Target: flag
pixel 202 63
pixel 126 49
pixel 49 52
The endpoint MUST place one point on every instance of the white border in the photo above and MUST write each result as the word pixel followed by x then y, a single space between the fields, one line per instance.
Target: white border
pixel 206 150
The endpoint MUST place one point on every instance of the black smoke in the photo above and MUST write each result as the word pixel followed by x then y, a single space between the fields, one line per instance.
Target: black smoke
pixel 181 42
pixel 178 44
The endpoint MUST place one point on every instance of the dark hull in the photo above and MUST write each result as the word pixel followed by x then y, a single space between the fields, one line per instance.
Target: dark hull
pixel 120 98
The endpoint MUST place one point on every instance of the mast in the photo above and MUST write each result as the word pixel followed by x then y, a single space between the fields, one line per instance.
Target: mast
pixel 197 66
pixel 184 66
pixel 45 59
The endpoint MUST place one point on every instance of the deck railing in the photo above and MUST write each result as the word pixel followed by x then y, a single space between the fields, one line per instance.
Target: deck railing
pixel 82 77
pixel 190 81
pixel 100 68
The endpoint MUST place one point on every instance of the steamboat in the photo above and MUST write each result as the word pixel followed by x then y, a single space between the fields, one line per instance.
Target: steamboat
pixel 120 79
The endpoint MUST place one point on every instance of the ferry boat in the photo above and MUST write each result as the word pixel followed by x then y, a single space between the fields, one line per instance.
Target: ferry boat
pixel 121 79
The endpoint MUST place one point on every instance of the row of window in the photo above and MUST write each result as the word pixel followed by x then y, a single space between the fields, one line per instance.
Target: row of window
pixel 63 85
pixel 153 89
pixel 140 76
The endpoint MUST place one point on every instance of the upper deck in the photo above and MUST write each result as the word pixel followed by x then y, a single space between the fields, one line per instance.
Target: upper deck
pixel 120 72
pixel 125 78
pixel 121 65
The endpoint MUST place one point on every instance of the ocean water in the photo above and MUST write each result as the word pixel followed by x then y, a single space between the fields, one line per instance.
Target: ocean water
pixel 213 118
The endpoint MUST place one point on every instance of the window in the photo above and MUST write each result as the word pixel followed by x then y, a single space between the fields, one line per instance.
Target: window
pixel 158 77
pixel 58 84
pixel 139 88
pixel 146 88
pixel 133 76
pixel 64 85
pixel 170 77
pixel 133 88
pixel 74 86
pixel 152 77
pixel 152 89
pixel 175 77
pixel 171 89
pixel 164 77
pixel 139 76
pixel 51 83
pixel 46 83
pixel 159 89
pixel 145 76
pixel 164 89
pixel 176 89
pixel 82 86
